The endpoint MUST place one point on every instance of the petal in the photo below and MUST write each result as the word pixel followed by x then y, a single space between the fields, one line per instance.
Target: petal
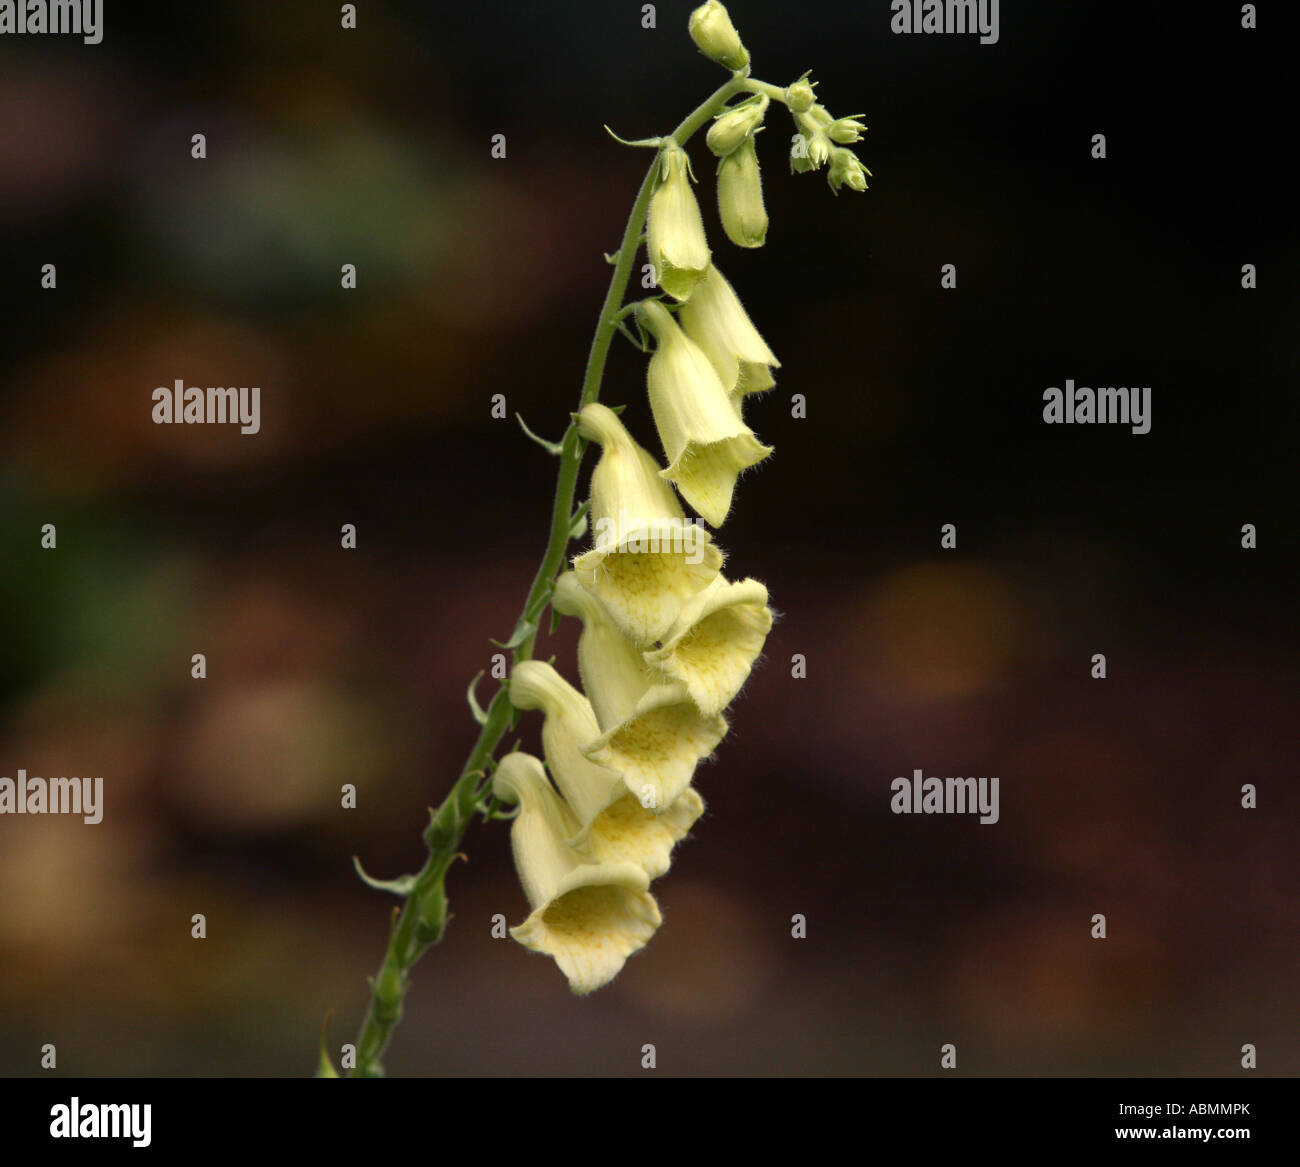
pixel 643 590
pixel 589 916
pixel 712 648
pixel 717 322
pixel 706 441
pixel 657 749
pixel 626 489
pixel 602 916
pixel 706 473
pixel 627 832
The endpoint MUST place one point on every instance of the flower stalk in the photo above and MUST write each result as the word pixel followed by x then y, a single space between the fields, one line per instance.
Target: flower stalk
pixel 421 921
pixel 586 855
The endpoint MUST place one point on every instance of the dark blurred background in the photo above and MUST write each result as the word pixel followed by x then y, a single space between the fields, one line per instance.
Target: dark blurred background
pixel 479 276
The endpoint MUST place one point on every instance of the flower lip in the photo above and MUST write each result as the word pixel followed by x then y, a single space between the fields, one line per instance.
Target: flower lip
pixel 588 916
pixel 657 749
pixel 715 642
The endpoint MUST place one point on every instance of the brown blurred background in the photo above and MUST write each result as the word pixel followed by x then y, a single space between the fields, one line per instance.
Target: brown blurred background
pixel 479 276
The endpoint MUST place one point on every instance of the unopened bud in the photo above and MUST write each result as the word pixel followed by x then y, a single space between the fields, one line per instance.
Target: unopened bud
pixel 740 197
pixel 733 126
pixel 846 131
pixel 846 170
pixel 799 96
pixel 716 37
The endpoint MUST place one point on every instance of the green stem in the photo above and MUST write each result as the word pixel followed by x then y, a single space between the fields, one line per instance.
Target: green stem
pixel 422 920
pixel 775 92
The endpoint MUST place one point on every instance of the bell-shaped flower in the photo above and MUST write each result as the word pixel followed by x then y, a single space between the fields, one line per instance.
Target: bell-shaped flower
pixel 588 916
pixel 610 825
pixel 712 647
pixel 740 197
pixel 715 320
pixel 704 438
pixel 675 241
pixel 658 746
pixel 647 559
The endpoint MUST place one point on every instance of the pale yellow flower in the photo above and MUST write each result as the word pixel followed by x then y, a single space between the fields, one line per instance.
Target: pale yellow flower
pixel 588 916
pixel 609 823
pixel 706 442
pixel 675 240
pixel 658 747
pixel 712 647
pixel 647 559
pixel 717 322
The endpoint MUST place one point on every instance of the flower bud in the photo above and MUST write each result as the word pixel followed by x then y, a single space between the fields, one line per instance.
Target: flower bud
pixel 732 126
pixel 675 241
pixel 846 170
pixel 716 37
pixel 647 559
pixel 712 647
pixel 588 916
pixel 846 131
pixel 740 197
pixel 819 150
pixel 716 321
pixel 799 96
pixel 706 442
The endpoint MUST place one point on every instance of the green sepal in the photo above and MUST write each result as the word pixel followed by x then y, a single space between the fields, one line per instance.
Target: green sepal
pixel 480 714
pixel 654 142
pixel 401 886
pixel 553 448
pixel 578 521
pixel 523 630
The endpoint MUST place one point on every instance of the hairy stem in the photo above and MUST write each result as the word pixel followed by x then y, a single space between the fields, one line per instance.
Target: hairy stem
pixel 421 921
pixel 775 92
